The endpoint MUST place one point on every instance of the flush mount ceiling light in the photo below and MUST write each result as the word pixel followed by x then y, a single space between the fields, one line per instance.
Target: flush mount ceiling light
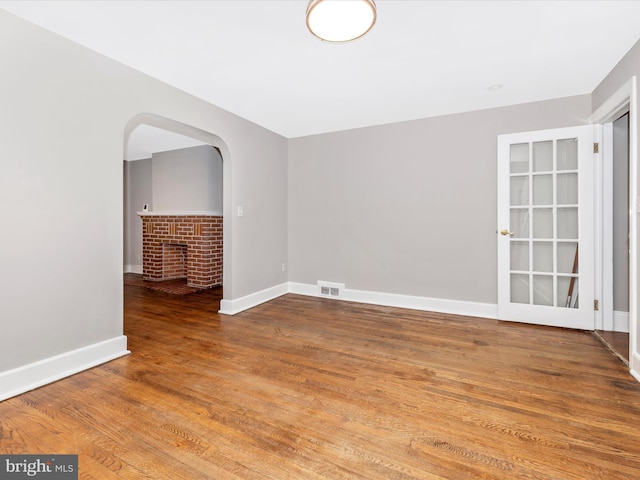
pixel 340 20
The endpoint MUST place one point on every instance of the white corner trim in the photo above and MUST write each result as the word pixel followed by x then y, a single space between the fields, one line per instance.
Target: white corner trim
pixel 133 269
pixel 456 307
pixel 22 379
pixel 231 307
pixel 620 321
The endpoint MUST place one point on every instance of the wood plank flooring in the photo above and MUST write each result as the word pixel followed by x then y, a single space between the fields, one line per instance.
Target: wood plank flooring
pixel 618 342
pixel 308 388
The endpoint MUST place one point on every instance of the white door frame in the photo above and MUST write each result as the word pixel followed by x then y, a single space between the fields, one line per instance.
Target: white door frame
pixel 619 103
pixel 603 193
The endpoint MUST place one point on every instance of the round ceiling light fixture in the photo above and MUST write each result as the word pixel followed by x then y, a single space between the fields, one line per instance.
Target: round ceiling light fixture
pixel 340 20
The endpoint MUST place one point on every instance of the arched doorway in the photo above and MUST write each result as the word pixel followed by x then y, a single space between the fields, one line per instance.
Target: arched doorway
pixel 203 138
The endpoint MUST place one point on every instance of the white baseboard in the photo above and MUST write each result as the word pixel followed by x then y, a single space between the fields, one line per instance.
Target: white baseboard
pixel 457 307
pixel 304 289
pixel 231 307
pixel 22 379
pixel 620 321
pixel 133 269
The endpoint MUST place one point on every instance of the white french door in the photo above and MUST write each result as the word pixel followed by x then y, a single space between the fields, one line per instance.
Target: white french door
pixel 545 227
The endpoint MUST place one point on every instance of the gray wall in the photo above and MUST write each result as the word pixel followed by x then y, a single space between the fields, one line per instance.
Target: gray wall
pixel 408 208
pixel 187 180
pixel 138 191
pixel 65 111
pixel 621 214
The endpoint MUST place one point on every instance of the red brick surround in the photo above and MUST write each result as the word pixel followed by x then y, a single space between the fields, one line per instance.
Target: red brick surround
pixel 178 246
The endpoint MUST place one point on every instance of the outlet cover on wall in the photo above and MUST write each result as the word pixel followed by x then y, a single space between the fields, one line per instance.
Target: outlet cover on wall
pixel 330 289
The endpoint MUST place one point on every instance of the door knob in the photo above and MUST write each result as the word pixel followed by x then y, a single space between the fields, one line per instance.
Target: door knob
pixel 507 232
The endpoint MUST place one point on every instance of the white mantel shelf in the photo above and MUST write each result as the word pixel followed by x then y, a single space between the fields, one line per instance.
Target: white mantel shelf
pixel 178 214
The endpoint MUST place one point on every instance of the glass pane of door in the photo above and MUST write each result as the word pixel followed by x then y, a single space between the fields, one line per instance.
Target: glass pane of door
pixel 543 179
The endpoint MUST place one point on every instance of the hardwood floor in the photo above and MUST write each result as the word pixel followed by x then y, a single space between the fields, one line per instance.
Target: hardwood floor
pixel 308 388
pixel 617 342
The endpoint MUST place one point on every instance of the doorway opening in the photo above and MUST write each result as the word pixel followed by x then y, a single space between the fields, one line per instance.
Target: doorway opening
pixel 613 330
pixel 175 187
pixel 623 101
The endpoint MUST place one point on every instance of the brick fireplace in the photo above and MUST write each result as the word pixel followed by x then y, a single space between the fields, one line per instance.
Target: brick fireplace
pixel 182 246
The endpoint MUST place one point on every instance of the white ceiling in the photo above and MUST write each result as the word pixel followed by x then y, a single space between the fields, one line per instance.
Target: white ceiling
pixel 421 59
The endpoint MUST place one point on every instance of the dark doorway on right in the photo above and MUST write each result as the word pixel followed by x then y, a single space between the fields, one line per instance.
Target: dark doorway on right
pixel 617 339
